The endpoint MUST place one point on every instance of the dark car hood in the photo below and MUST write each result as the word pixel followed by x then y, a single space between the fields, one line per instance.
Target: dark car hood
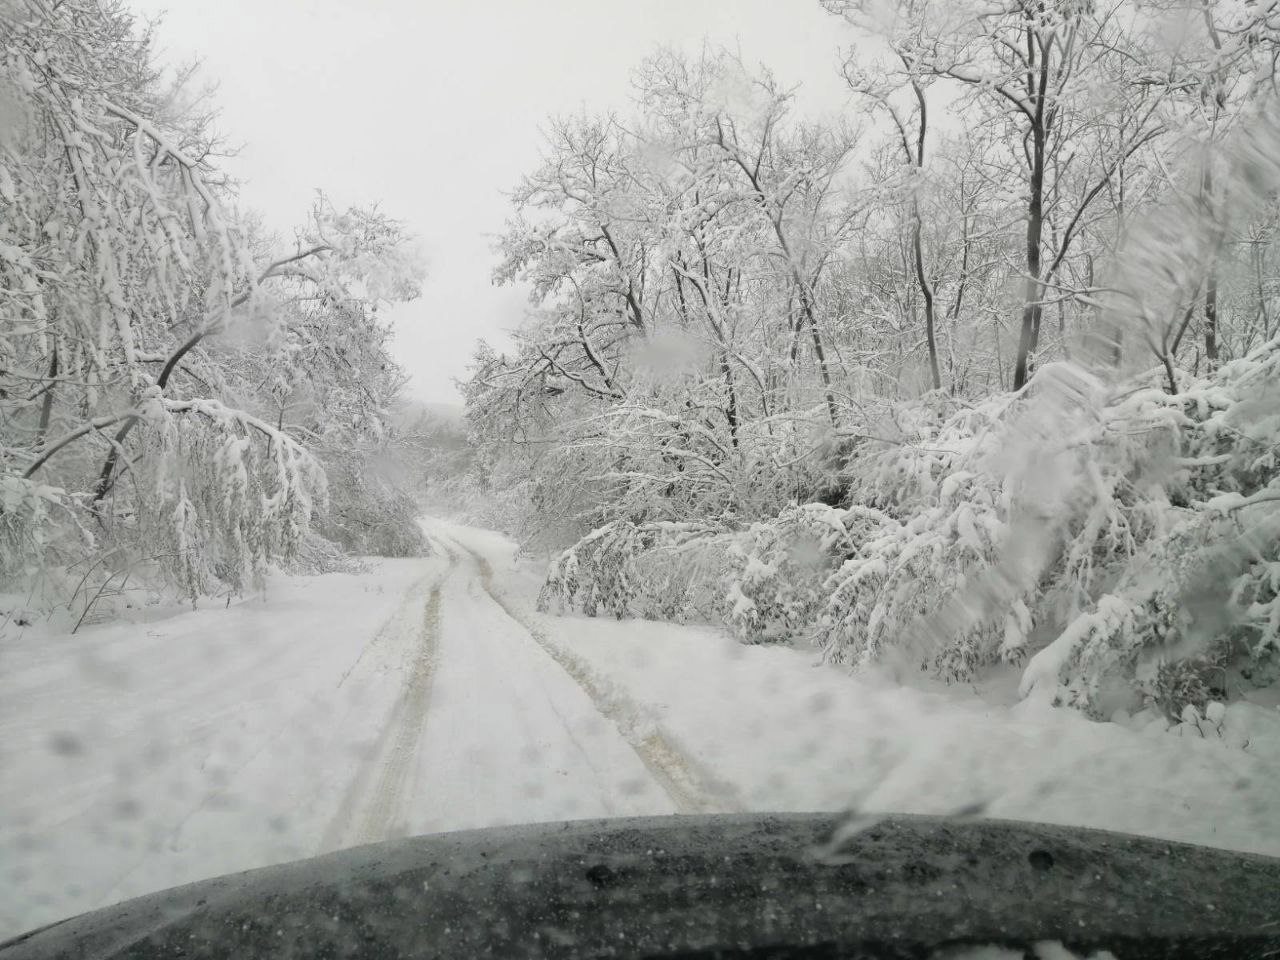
pixel 737 885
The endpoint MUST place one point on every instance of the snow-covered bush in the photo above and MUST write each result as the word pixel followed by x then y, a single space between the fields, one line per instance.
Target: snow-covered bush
pixel 1203 590
pixel 34 524
pixel 663 570
pixel 316 555
pixel 776 581
pixel 1093 533
pixel 956 572
pixel 369 513
pixel 1064 521
pixel 1196 682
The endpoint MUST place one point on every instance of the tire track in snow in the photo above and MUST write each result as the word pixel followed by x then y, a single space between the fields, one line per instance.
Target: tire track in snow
pixel 690 789
pixel 377 793
pixel 394 623
pixel 386 808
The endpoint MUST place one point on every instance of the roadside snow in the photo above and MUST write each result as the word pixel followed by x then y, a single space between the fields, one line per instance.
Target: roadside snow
pixel 785 732
pixel 141 755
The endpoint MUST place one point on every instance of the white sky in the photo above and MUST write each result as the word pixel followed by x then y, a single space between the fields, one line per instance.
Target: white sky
pixel 432 109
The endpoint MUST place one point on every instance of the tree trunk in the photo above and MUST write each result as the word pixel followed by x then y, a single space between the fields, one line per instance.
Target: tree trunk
pixel 1211 316
pixel 1029 335
pixel 917 241
pixel 819 352
pixel 46 408
pixel 1211 282
pixel 926 291
pixel 731 400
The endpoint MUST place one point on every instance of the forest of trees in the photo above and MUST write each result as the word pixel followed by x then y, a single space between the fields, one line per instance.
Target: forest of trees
pixel 185 399
pixel 983 371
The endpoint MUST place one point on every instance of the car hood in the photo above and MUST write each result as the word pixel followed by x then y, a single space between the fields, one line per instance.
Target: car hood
pixel 723 885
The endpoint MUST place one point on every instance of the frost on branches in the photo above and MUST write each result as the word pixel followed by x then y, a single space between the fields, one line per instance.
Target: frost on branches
pixel 652 570
pixel 1111 540
pixel 1010 399
pixel 162 364
pixel 1196 611
pixel 228 491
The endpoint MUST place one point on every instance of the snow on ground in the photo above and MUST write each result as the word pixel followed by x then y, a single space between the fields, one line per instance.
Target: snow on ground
pixel 784 732
pixel 428 695
pixel 141 755
pixel 338 710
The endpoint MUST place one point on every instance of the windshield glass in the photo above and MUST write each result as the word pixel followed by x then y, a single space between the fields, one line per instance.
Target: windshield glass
pixel 417 417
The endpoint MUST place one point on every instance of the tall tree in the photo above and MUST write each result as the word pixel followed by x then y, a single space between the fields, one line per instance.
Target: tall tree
pixel 1047 76
pixel 132 422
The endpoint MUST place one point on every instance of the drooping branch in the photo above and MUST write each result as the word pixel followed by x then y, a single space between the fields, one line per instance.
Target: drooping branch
pixel 102 486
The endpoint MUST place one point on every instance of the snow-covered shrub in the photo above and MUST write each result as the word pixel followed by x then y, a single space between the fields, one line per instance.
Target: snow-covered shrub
pixel 661 570
pixel 1204 585
pixel 958 572
pixel 383 523
pixel 1194 682
pixel 1095 533
pixel 905 572
pixel 594 572
pixel 316 555
pixel 775 584
pixel 368 513
pixel 1003 525
pixel 33 522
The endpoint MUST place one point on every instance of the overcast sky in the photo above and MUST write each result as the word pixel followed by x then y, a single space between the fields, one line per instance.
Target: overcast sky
pixel 432 108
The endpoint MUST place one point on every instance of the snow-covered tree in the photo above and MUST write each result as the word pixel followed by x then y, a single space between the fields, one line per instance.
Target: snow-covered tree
pixel 935 395
pixel 1057 86
pixel 150 337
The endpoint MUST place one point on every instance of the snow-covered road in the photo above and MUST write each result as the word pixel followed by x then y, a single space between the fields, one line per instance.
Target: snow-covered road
pixel 341 710
pixel 428 695
pixel 488 727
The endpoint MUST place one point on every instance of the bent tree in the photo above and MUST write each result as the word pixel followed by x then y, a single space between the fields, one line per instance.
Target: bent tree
pixel 147 322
